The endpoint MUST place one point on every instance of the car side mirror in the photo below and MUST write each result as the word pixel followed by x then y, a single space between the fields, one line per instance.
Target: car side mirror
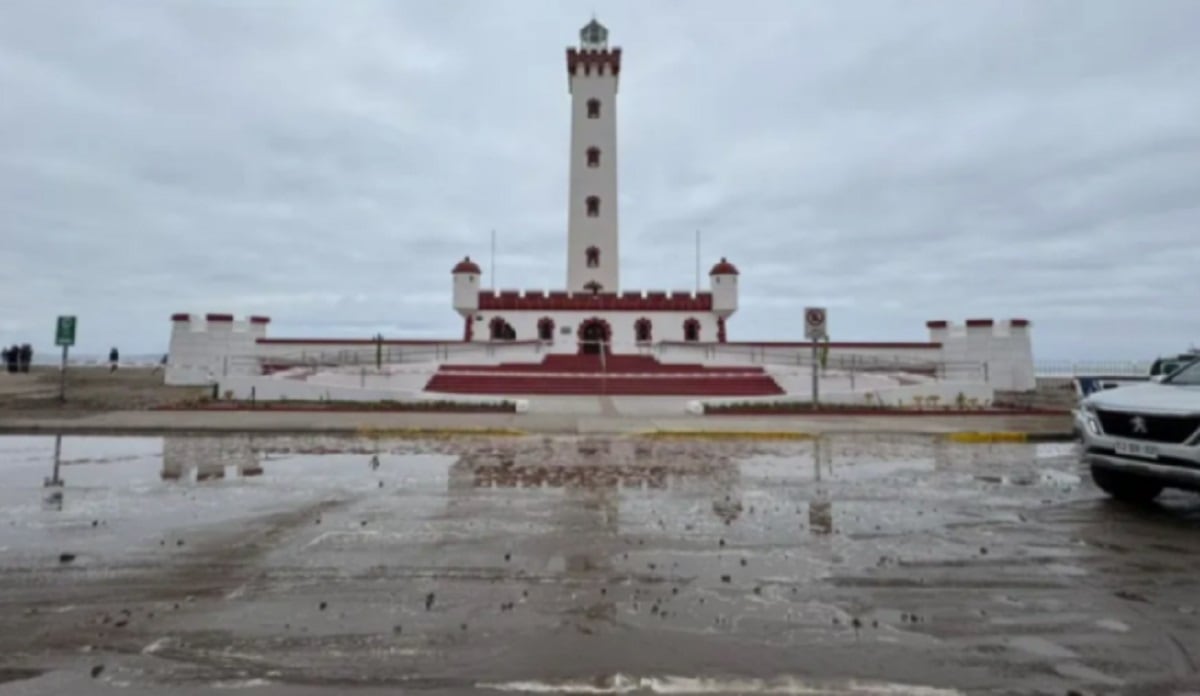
pixel 1158 378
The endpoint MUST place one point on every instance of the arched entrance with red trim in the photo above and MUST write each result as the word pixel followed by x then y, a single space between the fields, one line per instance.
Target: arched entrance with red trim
pixel 595 335
pixel 501 330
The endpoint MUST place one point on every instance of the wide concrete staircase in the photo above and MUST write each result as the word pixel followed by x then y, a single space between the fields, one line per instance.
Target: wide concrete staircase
pixel 615 375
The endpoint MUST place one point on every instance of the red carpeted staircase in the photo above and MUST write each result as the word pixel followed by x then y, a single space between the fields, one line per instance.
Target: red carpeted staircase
pixel 616 375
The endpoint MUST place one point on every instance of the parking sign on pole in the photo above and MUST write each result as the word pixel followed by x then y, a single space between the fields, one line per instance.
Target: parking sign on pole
pixel 814 330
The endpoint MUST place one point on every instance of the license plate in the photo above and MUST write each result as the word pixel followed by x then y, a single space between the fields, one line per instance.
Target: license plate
pixel 1137 449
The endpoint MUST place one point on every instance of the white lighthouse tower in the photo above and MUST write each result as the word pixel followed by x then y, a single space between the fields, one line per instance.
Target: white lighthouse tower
pixel 592 72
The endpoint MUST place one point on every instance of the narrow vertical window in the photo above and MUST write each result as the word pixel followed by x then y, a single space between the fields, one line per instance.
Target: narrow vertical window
pixel 593 206
pixel 593 157
pixel 593 257
pixel 593 108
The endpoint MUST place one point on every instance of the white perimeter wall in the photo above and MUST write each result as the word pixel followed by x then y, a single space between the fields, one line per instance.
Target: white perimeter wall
pixel 202 350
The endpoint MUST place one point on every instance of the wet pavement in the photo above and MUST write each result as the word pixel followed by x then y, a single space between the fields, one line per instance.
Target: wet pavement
pixel 849 564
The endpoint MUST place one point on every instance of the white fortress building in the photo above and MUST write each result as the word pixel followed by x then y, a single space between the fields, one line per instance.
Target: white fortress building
pixel 593 336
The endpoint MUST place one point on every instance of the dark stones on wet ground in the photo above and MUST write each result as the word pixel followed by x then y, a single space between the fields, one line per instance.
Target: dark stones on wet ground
pixel 429 600
pixel 66 557
pixel 322 606
pixel 96 670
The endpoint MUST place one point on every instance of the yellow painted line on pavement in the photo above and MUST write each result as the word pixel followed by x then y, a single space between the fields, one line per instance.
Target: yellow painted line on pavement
pixel 986 437
pixel 439 432
pixel 726 435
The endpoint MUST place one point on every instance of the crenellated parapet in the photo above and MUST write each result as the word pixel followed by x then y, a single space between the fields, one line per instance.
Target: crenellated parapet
pixel 1003 347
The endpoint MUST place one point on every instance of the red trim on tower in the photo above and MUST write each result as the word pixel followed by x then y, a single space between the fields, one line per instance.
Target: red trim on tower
pixel 511 300
pixel 466 266
pixel 181 316
pixel 723 267
pixel 599 60
pixel 219 317
pixel 938 324
pixel 1018 322
pixel 720 330
pixel 469 329
pixel 981 322
pixel 260 320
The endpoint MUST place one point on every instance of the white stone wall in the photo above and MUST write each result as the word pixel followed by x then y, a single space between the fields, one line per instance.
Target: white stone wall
pixel 862 355
pixel 466 292
pixel 667 326
pixel 724 289
pixel 332 351
pixel 203 348
pixel 1002 349
pixel 601 181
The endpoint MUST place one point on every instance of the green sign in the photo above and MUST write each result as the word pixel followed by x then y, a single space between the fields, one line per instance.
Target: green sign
pixel 64 335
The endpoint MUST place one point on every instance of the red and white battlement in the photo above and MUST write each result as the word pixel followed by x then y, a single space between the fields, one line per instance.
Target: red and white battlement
pixel 1003 347
pixel 207 346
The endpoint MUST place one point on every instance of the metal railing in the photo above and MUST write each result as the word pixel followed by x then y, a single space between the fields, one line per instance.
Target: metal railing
pixel 852 363
pixel 1074 368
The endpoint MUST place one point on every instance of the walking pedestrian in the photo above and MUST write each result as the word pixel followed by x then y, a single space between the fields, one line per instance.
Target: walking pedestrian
pixel 113 357
pixel 26 356
pixel 12 358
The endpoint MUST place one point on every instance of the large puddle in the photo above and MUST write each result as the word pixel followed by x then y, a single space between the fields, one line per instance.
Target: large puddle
pixel 849 564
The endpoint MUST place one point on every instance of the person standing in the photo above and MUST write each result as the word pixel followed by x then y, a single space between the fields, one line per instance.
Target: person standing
pixel 26 356
pixel 113 357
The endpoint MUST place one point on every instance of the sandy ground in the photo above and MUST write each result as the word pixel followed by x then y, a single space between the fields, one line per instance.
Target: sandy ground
pixel 89 390
pixel 322 565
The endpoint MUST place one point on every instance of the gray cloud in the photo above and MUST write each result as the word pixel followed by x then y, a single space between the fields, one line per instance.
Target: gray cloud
pixel 326 163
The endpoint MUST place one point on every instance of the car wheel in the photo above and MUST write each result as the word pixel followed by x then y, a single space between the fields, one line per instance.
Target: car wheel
pixel 1127 487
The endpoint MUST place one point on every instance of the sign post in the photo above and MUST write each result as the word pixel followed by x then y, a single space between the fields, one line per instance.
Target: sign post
pixel 814 330
pixel 64 335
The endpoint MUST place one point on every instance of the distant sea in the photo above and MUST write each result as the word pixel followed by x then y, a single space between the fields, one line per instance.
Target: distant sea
pixel 85 359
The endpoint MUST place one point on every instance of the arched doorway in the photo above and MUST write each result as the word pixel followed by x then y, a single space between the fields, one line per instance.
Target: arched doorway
pixel 642 330
pixel 691 330
pixel 546 329
pixel 501 330
pixel 594 336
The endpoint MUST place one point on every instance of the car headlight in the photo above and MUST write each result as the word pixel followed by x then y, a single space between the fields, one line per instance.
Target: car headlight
pixel 1088 411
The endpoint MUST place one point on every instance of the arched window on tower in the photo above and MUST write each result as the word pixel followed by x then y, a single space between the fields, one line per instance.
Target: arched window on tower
pixel 593 257
pixel 593 157
pixel 691 330
pixel 501 330
pixel 546 329
pixel 593 206
pixel 593 108
pixel 642 330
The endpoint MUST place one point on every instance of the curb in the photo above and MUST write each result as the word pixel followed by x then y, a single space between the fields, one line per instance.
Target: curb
pixel 726 435
pixel 438 432
pixel 981 438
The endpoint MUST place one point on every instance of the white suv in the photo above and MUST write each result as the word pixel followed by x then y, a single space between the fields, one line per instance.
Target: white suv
pixel 1143 438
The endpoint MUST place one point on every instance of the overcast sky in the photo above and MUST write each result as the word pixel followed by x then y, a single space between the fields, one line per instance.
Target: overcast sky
pixel 326 163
